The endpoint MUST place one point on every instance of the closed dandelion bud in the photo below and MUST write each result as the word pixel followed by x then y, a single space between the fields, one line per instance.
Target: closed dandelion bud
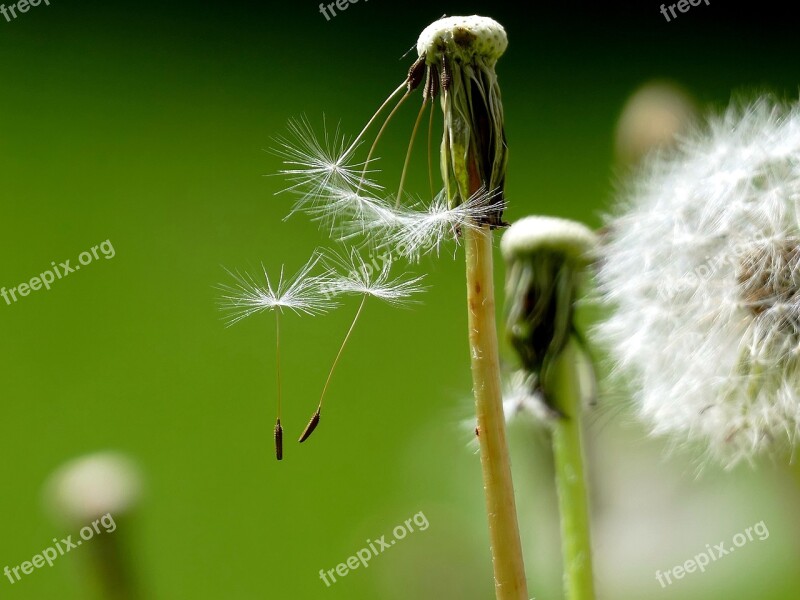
pixel 702 268
pixel 464 51
pixel 546 258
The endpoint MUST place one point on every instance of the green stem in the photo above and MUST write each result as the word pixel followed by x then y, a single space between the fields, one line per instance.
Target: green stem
pixel 571 478
pixel 509 569
pixel 111 573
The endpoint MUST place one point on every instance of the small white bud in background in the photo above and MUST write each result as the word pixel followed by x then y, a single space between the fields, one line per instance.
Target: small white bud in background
pixel 89 487
pixel 546 258
pixel 652 118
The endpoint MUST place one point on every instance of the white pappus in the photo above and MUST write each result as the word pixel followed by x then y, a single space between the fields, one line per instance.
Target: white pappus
pixel 701 265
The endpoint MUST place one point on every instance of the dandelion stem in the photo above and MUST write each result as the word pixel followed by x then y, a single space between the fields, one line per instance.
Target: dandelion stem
pixel 315 418
pixel 408 152
pixel 509 569
pixel 570 477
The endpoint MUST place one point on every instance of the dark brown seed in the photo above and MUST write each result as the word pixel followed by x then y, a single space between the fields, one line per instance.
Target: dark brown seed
pixel 415 74
pixel 312 425
pixel 278 440
pixel 432 87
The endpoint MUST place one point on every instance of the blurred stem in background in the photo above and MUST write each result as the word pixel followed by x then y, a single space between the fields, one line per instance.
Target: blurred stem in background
pixel 546 258
pixel 571 477
pixel 99 494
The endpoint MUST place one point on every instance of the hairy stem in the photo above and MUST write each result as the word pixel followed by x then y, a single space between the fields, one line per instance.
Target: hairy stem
pixel 509 569
pixel 570 478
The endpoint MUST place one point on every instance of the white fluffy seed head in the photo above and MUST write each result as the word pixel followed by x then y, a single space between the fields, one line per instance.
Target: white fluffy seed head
pixel 465 37
pixel 89 487
pixel 702 267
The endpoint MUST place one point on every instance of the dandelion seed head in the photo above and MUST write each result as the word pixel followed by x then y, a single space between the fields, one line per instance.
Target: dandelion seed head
pixel 467 37
pixel 301 293
pixel 701 265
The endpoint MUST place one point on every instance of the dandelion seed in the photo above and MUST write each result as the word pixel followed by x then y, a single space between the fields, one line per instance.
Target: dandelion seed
pixel 312 425
pixel 302 293
pixel 349 213
pixel 702 267
pixel 417 232
pixel 315 166
pixel 278 440
pixel 357 277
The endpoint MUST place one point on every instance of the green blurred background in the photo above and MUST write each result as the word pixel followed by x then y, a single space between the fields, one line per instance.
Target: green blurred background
pixel 146 124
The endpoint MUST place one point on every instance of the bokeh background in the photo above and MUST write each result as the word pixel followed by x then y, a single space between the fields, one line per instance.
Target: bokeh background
pixel 147 123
